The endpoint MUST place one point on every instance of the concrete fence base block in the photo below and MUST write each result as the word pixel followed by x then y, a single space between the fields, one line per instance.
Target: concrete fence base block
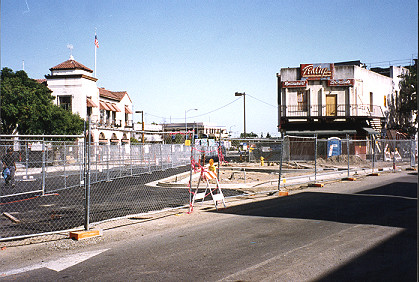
pixel 316 185
pixel 79 235
pixel 349 179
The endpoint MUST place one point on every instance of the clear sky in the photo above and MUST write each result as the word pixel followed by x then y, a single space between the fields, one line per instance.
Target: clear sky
pixel 175 55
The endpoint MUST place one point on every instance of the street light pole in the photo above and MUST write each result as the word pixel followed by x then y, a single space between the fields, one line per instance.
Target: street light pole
pixel 186 124
pixel 142 123
pixel 244 110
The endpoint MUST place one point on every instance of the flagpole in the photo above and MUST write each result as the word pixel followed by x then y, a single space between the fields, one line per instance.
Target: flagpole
pixel 95 56
pixel 96 46
pixel 95 62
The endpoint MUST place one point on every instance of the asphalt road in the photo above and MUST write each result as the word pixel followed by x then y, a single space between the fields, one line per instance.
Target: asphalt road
pixel 63 209
pixel 347 231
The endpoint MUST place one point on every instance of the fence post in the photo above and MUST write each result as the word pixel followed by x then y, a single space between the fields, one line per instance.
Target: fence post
pixel 281 150
pixel 130 157
pixel 87 191
pixel 171 155
pixel 219 153
pixel 161 156
pixel 412 153
pixel 108 156
pixel 315 157
pixel 65 159
pixel 347 149
pixel 27 160
pixel 394 156
pixel 373 152
pixel 190 178
pixel 149 157
pixel 43 166
pixel 121 161
pixel 98 154
pixel 82 155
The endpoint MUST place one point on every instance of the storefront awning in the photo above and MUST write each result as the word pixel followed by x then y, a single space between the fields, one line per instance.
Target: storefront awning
pixel 90 103
pixel 116 108
pixel 113 107
pixel 109 106
pixel 128 110
pixel 104 106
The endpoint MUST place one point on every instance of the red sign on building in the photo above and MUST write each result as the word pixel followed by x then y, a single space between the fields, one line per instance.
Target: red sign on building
pixel 294 84
pixel 317 71
pixel 341 82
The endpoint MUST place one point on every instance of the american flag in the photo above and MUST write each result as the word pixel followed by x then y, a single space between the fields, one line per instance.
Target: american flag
pixel 96 42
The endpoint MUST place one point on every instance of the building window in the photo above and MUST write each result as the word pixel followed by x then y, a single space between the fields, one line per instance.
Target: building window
pixel 108 117
pixel 302 101
pixel 113 118
pixel 102 116
pixel 65 102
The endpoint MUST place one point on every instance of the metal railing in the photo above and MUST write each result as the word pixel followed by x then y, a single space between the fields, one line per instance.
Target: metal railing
pixel 340 110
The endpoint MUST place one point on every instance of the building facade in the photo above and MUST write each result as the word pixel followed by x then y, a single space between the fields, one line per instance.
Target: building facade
pixel 75 89
pixel 152 133
pixel 334 99
pixel 201 129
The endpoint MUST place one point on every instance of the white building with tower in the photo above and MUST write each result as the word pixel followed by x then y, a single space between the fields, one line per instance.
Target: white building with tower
pixel 74 88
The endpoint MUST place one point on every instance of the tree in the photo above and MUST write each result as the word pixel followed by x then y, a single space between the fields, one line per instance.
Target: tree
pixel 26 106
pixel 249 135
pixel 134 141
pixel 403 108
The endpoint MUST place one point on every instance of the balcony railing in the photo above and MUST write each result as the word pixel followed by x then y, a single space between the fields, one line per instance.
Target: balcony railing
pixel 342 110
pixel 106 123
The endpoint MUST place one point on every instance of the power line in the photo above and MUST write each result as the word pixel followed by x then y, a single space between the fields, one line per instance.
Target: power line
pixel 210 112
pixel 207 113
pixel 261 101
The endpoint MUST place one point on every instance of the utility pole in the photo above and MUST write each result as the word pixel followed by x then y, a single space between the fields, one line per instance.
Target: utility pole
pixel 244 110
pixel 142 123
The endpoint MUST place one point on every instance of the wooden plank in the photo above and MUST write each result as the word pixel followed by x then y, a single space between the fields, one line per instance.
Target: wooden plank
pixel 11 217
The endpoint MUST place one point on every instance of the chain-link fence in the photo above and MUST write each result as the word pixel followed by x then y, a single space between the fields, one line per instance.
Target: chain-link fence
pixel 63 185
pixel 66 185
pixel 299 160
pixel 40 189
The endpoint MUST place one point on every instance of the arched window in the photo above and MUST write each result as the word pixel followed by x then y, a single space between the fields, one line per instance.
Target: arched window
pixel 102 138
pixel 114 139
